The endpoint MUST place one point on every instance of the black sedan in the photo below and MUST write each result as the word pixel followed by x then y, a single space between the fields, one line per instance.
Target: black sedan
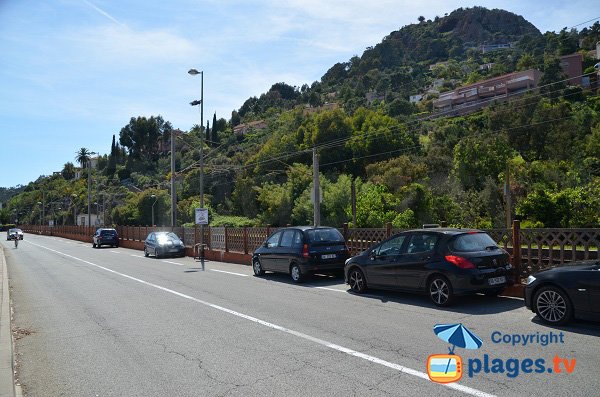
pixel 105 236
pixel 163 244
pixel 441 262
pixel 558 294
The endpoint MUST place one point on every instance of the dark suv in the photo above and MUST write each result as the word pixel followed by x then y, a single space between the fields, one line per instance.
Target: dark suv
pixel 441 262
pixel 105 237
pixel 301 250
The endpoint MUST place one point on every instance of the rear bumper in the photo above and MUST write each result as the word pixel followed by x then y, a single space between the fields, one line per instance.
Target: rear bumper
pixel 479 281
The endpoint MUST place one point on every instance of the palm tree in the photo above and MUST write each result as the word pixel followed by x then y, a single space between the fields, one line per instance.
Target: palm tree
pixel 83 156
pixel 68 171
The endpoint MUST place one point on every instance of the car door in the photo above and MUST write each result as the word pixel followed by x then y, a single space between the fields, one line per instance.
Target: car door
pixel 418 252
pixel 268 252
pixel 382 269
pixel 151 244
pixel 592 284
pixel 286 250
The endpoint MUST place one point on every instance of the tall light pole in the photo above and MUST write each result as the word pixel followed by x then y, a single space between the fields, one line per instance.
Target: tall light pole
pixel 41 207
pixel 194 72
pixel 89 192
pixel 155 200
pixel 73 197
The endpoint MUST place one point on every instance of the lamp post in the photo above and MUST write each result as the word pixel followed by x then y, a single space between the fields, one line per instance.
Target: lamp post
pixel 155 200
pixel 194 72
pixel 89 193
pixel 73 197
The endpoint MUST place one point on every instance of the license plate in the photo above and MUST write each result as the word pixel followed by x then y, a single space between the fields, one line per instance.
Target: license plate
pixel 328 256
pixel 497 280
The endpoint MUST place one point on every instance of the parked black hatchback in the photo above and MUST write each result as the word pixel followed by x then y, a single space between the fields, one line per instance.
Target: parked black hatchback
pixel 105 236
pixel 300 251
pixel 441 262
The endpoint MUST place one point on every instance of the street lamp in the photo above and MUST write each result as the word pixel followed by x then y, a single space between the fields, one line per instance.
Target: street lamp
pixel 73 197
pixel 194 72
pixel 89 193
pixel 155 200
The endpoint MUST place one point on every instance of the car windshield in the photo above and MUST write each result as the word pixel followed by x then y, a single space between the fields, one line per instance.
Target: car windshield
pixel 325 236
pixel 477 241
pixel 161 237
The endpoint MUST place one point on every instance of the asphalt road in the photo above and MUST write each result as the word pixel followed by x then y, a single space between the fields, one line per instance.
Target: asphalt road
pixel 109 322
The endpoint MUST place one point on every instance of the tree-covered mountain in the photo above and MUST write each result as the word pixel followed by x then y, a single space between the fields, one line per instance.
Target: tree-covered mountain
pixel 407 167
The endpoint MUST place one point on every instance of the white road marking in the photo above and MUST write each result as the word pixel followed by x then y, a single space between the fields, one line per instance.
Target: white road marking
pixel 174 263
pixel 116 252
pixel 223 271
pixel 137 256
pixel 333 346
pixel 328 289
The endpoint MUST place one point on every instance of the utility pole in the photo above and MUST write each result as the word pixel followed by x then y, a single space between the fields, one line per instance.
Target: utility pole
pixel 173 191
pixel 353 199
pixel 508 198
pixel 89 192
pixel 316 189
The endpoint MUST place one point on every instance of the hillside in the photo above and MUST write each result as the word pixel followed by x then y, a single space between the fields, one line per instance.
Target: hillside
pixel 407 169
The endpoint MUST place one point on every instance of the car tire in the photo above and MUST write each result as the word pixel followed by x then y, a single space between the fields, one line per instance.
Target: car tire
pixel 257 267
pixel 93 245
pixel 553 306
pixel 440 291
pixel 157 253
pixel 296 273
pixel 146 254
pixel 357 280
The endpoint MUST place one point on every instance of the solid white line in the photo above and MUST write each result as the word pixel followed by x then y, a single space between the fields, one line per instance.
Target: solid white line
pixel 397 367
pixel 223 271
pixel 116 252
pixel 137 256
pixel 174 263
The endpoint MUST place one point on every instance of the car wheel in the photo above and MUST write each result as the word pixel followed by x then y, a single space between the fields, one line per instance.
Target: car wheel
pixel 157 253
pixel 553 305
pixel 93 245
pixel 440 291
pixel 257 267
pixel 146 254
pixel 296 273
pixel 357 281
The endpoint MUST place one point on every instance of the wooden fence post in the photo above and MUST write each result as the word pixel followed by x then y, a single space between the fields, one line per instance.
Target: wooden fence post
pixel 226 238
pixel 345 232
pixel 516 243
pixel 245 239
pixel 388 229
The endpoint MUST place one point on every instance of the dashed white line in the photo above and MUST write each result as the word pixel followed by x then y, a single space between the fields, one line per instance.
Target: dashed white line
pixel 174 263
pixel 328 289
pixel 137 256
pixel 354 353
pixel 223 271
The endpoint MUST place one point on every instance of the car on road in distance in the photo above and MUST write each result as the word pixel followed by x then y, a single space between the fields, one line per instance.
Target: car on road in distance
pixel 163 244
pixel 105 236
pixel 11 233
pixel 442 263
pixel 300 251
pixel 562 293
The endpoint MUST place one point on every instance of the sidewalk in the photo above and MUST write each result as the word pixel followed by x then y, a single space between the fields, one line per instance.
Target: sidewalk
pixel 7 385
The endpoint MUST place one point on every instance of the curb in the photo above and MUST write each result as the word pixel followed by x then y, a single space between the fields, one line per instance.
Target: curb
pixel 7 383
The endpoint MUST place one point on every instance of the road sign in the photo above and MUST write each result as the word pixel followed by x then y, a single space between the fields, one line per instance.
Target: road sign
pixel 201 216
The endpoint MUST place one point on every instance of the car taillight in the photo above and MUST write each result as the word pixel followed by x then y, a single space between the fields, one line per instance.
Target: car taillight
pixel 305 251
pixel 459 261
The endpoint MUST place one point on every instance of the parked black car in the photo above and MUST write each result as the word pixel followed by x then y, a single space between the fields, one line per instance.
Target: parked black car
pixel 105 236
pixel 442 263
pixel 300 251
pixel 163 244
pixel 558 294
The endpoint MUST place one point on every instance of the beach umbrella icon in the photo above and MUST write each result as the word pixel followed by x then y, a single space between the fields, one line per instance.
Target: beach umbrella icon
pixel 457 335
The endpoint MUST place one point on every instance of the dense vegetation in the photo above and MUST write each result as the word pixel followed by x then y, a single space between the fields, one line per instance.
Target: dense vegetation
pixel 407 168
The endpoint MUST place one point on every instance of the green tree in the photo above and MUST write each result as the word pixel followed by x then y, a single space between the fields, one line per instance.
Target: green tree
pixel 68 171
pixel 142 135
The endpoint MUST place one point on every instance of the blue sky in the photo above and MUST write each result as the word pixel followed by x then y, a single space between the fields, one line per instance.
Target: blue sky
pixel 73 72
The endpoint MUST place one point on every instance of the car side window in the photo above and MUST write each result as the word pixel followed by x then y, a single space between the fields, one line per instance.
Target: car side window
pixel 391 247
pixel 298 242
pixel 287 238
pixel 420 243
pixel 273 241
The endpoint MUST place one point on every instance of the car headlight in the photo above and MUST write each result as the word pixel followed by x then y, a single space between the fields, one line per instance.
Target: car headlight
pixel 530 280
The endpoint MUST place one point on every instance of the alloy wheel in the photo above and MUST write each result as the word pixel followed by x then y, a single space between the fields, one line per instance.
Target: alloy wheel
pixel 439 291
pixel 552 306
pixel 357 281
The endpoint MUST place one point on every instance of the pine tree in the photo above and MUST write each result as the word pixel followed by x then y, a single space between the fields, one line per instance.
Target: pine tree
pixel 214 137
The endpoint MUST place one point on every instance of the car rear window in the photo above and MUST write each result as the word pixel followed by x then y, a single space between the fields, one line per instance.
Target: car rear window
pixel 108 232
pixel 473 242
pixel 324 236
